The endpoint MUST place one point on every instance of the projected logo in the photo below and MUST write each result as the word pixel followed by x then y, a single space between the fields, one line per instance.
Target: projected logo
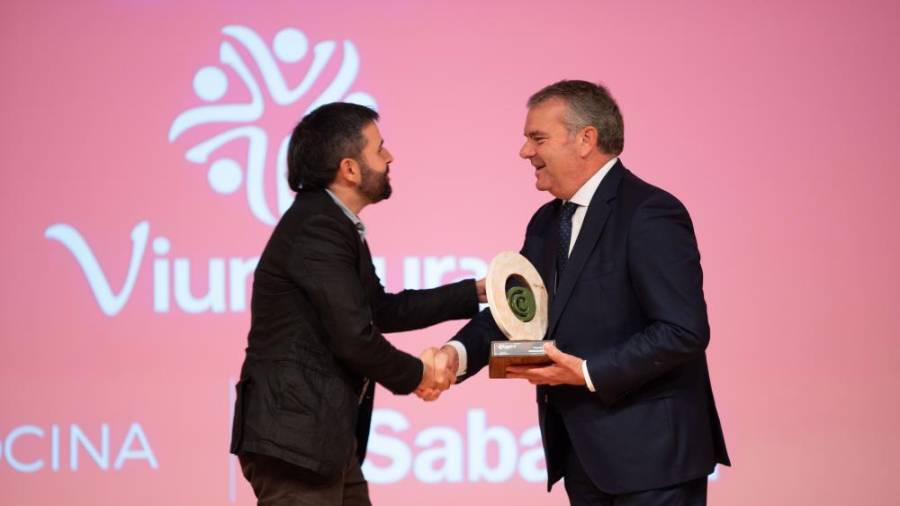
pixel 256 88
pixel 262 76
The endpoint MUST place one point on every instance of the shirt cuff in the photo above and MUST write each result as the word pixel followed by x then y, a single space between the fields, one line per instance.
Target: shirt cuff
pixel 587 376
pixel 461 352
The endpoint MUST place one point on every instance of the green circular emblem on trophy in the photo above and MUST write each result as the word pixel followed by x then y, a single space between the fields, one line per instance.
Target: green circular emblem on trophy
pixel 521 301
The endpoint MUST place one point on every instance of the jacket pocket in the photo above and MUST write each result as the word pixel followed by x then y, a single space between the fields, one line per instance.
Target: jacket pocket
pixel 599 269
pixel 237 425
pixel 644 420
pixel 300 389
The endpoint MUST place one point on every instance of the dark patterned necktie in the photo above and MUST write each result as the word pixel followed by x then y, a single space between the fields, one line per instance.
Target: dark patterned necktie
pixel 565 237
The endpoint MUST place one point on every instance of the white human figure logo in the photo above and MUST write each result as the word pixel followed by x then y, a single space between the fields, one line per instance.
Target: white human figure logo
pixel 211 83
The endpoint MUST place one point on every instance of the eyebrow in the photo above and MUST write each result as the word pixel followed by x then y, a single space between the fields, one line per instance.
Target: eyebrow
pixel 535 133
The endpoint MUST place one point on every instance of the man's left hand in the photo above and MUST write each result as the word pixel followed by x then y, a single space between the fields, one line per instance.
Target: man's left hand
pixel 481 290
pixel 565 370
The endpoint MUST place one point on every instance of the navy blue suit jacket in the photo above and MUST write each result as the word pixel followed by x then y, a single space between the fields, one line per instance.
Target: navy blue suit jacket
pixel 630 302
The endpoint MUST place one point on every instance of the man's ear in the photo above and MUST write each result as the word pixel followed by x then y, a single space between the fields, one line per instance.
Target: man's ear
pixel 588 140
pixel 349 172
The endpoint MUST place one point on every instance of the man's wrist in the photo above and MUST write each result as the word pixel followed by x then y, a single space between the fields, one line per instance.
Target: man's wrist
pixel 587 376
pixel 460 355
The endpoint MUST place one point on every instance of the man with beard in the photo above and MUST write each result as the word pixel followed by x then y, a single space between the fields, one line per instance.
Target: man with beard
pixel 315 348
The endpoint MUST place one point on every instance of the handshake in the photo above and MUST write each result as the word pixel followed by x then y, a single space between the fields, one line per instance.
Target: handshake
pixel 440 365
pixel 438 371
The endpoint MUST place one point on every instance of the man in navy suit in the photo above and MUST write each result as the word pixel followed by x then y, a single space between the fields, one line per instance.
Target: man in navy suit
pixel 626 410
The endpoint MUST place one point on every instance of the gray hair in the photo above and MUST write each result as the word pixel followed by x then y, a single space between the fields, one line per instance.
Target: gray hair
pixel 588 104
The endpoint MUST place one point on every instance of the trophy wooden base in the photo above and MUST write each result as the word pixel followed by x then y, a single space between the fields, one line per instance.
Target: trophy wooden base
pixel 507 353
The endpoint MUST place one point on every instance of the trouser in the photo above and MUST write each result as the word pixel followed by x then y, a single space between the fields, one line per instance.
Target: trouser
pixel 278 483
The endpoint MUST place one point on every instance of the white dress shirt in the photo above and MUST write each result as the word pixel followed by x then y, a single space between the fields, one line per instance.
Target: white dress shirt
pixel 582 198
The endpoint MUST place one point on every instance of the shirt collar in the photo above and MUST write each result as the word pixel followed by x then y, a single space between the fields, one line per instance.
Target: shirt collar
pixel 360 227
pixel 584 194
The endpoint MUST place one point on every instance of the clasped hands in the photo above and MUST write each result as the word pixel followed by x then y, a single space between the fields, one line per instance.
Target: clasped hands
pixel 439 372
pixel 441 366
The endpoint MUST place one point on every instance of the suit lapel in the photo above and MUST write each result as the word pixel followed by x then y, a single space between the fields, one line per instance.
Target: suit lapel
pixel 364 256
pixel 367 274
pixel 591 230
pixel 551 242
pixel 365 260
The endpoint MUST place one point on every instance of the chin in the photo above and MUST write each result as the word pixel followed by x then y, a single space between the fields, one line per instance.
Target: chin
pixel 541 186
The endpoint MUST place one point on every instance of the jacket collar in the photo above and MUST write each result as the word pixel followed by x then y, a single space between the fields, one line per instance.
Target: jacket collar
pixel 591 230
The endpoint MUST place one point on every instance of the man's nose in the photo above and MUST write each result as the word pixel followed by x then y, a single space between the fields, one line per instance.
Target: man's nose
pixel 527 150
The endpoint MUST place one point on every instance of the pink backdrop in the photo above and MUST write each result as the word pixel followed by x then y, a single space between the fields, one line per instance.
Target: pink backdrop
pixel 775 122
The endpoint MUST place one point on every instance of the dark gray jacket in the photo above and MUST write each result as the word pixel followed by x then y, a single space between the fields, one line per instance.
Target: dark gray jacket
pixel 317 314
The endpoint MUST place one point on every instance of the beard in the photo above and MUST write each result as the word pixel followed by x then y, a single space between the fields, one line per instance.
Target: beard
pixel 375 186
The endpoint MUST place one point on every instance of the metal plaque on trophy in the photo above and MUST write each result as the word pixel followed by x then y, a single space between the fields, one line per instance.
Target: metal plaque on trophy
pixel 518 300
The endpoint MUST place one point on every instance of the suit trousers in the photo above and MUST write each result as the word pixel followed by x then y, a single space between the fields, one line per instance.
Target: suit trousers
pixel 278 483
pixel 582 491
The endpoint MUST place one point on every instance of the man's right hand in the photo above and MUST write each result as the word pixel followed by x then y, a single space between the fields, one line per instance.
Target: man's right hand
pixel 448 358
pixel 438 372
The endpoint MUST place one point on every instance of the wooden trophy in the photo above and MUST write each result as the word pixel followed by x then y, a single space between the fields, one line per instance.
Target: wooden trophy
pixel 518 301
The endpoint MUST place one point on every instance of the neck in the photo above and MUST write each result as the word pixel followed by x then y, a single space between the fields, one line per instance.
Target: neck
pixel 589 167
pixel 350 197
